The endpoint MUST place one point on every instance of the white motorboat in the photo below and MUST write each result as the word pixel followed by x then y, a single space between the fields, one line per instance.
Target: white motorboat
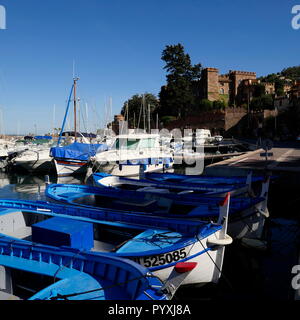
pixel 133 153
pixel 34 159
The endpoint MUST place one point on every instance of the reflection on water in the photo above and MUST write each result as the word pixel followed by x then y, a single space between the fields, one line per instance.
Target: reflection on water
pixel 29 187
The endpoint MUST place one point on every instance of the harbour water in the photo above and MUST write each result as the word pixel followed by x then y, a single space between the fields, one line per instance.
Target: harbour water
pixel 248 274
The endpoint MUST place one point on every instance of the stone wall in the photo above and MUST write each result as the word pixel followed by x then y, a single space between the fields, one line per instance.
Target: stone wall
pixel 233 116
pixel 217 121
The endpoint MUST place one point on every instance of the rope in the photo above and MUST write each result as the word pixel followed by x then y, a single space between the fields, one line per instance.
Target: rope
pixel 221 272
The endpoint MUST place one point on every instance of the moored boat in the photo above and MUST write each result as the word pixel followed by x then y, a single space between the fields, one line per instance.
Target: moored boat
pixel 32 271
pixel 155 242
pixel 247 215
pixel 74 158
pixel 131 153
pixel 202 179
pixel 34 160
pixel 213 189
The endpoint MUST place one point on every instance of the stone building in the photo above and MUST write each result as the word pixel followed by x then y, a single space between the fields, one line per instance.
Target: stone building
pixel 295 90
pixel 235 88
pixel 226 87
pixel 117 123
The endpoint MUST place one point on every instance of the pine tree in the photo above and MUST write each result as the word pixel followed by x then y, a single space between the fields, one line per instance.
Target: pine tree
pixel 178 97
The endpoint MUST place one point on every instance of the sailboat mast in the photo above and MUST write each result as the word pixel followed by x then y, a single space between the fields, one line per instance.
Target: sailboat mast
pixel 149 121
pixel 75 118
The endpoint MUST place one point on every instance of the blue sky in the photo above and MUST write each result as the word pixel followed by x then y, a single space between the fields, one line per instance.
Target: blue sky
pixel 117 47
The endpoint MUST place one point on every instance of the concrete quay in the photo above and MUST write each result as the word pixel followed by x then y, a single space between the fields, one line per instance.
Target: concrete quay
pixel 285 158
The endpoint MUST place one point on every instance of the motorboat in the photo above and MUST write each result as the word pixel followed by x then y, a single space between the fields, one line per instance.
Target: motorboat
pixel 132 152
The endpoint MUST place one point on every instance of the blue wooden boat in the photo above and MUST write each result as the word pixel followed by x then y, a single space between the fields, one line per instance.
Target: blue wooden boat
pixel 101 179
pixel 157 243
pixel 246 214
pixel 202 179
pixel 31 271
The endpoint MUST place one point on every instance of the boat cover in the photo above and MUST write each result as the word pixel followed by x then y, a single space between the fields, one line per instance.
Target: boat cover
pixel 77 151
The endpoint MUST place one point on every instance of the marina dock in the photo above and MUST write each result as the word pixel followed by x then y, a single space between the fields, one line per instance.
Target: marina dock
pixel 280 159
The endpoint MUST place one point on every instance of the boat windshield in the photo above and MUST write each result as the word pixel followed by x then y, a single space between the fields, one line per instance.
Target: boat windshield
pixel 133 144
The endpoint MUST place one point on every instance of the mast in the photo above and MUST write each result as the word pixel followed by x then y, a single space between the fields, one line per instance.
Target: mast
pixel 149 121
pixel 75 118
pixel 144 112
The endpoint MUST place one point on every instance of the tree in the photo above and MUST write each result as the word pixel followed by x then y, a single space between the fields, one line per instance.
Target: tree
pixel 205 105
pixel 178 97
pixel 267 102
pixel 259 90
pixel 138 109
pixel 219 105
pixel 292 73
pixel 262 102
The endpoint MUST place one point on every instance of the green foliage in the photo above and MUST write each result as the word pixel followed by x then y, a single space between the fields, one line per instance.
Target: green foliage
pixel 259 90
pixel 225 99
pixel 219 105
pixel 179 96
pixel 281 78
pixel 205 105
pixel 135 107
pixel 261 103
pixel 167 119
pixel 292 73
pixel 267 102
pixel 270 77
pixel 279 84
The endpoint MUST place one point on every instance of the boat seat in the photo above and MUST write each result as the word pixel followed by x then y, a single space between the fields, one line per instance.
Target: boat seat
pixel 100 246
pixel 141 204
pixel 69 195
pixel 7 296
pixel 153 189
pixel 21 233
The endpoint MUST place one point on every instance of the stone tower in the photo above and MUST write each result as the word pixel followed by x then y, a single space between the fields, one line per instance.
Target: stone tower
pixel 237 78
pixel 210 84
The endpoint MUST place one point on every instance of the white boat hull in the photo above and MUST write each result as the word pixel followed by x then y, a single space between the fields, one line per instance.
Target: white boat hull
pixel 209 262
pixel 129 170
pixel 66 168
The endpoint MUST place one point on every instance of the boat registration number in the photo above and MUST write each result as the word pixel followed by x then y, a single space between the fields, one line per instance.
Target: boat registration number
pixel 161 259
